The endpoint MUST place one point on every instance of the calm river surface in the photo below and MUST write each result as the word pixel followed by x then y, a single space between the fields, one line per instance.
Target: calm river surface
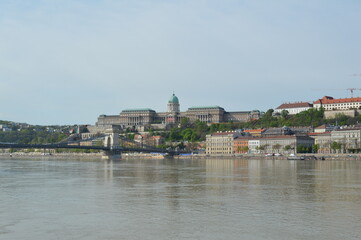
pixel 180 199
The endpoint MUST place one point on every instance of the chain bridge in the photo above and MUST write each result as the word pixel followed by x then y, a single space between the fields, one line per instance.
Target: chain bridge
pixel 111 146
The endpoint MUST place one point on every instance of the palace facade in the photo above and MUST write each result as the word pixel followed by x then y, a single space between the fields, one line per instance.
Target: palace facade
pixel 146 116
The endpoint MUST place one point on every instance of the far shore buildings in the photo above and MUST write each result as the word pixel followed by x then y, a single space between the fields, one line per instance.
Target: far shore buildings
pixel 347 106
pixel 339 140
pixel 329 139
pixel 235 142
pixel 137 118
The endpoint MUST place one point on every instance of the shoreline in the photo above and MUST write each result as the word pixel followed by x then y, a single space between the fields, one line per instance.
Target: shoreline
pixel 100 156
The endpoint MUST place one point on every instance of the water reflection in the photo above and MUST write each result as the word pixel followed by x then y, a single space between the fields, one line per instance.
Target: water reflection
pixel 180 199
pixel 313 180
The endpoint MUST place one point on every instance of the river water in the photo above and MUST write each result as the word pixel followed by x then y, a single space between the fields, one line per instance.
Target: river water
pixel 180 199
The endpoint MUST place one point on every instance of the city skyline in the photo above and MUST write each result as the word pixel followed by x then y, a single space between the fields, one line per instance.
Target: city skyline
pixel 67 62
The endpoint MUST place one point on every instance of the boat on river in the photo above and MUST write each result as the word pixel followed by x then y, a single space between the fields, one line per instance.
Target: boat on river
pixel 294 157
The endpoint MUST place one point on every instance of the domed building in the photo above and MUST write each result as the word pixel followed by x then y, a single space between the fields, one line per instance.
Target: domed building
pixel 173 104
pixel 147 117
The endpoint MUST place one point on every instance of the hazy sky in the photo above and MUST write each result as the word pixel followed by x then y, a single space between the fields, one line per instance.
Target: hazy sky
pixel 68 61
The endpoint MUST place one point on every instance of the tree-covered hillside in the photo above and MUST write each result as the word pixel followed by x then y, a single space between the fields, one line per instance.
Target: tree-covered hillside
pixel 197 131
pixel 26 134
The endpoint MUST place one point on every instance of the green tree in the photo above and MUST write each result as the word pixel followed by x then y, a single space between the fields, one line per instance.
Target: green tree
pixel 341 119
pixel 315 148
pixel 303 149
pixel 335 146
pixel 276 147
pixel 284 113
pixel 287 147
pixel 185 123
pixel 174 135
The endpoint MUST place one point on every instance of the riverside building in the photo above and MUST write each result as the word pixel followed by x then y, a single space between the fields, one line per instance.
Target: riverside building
pixel 229 143
pixel 221 143
pixel 342 140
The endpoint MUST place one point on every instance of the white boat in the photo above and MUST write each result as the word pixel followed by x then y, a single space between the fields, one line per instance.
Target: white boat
pixel 295 158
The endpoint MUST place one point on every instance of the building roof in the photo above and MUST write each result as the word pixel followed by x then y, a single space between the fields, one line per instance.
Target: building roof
pixel 321 127
pixel 331 100
pixel 243 138
pixel 280 137
pixel 205 107
pixel 348 128
pixel 139 110
pixel 295 105
pixel 320 133
pixel 238 112
pixel 173 99
pixel 223 133
pixel 278 131
pixel 260 130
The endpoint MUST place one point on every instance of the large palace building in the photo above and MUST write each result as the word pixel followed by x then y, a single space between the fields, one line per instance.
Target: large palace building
pixel 146 116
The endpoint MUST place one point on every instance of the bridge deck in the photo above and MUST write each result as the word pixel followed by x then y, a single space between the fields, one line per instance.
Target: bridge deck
pixel 58 146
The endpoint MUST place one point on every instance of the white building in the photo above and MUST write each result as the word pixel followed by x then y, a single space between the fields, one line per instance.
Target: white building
pixel 254 145
pixel 5 128
pixel 293 108
pixel 329 103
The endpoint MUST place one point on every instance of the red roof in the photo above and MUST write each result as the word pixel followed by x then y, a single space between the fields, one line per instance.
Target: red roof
pixel 294 105
pixel 277 137
pixel 255 130
pixel 330 100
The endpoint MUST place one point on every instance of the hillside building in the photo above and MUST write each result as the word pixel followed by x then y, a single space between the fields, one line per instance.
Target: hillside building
pixel 293 108
pixel 145 117
pixel 330 104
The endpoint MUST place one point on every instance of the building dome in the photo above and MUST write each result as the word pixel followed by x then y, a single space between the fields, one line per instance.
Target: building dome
pixel 173 99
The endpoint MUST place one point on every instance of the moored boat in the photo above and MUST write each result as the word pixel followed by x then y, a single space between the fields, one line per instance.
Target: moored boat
pixel 295 158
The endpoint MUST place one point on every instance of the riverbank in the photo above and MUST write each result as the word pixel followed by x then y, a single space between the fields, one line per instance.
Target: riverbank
pixel 308 156
pixel 32 155
pixel 251 156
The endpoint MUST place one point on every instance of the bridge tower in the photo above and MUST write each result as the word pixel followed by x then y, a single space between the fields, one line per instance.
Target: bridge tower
pixel 111 141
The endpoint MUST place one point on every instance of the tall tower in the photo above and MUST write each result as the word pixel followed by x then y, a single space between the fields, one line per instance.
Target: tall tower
pixel 173 104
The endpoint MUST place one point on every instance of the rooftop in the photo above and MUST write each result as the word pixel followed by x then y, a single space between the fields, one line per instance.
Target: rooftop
pixel 205 107
pixel 139 110
pixel 320 133
pixel 223 133
pixel 255 130
pixel 330 100
pixel 294 105
pixel 173 99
